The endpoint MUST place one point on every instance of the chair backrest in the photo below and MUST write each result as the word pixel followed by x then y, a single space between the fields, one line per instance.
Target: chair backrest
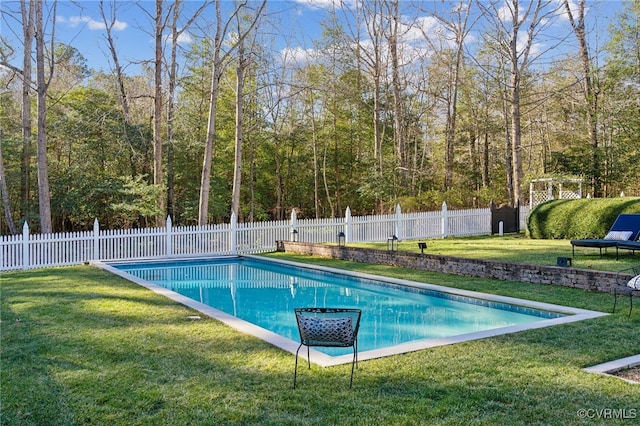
pixel 627 222
pixel 337 327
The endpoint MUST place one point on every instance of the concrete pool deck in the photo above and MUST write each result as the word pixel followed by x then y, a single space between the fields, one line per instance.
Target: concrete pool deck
pixel 319 358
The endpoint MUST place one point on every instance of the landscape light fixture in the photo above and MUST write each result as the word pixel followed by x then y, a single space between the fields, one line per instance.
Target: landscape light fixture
pixel 422 246
pixel 392 243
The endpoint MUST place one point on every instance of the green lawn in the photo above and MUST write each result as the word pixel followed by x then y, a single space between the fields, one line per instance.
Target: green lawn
pixel 518 248
pixel 79 346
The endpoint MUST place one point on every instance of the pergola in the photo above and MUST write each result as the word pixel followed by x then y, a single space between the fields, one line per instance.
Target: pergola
pixel 552 187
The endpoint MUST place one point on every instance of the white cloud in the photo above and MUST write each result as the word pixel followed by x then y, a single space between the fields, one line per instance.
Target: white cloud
pixel 505 13
pixel 93 25
pixel 183 38
pixel 320 4
pixel 298 55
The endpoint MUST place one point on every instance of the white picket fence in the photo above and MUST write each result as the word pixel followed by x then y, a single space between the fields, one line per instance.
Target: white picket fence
pixel 27 251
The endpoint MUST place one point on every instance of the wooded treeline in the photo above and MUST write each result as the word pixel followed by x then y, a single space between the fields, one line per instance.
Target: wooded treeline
pixel 415 103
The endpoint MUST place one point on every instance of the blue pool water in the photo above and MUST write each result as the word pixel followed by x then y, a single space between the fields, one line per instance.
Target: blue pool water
pixel 265 294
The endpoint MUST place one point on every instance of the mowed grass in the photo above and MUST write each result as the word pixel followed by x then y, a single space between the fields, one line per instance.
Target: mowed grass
pixel 520 249
pixel 80 346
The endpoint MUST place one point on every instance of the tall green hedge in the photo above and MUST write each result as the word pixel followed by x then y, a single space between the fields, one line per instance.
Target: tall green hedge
pixel 574 219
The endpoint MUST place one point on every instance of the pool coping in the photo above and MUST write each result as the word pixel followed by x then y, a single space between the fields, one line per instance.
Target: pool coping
pixel 324 360
pixel 607 368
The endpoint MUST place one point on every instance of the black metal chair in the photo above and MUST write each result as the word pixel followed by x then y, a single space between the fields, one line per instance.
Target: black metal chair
pixel 328 327
pixel 624 285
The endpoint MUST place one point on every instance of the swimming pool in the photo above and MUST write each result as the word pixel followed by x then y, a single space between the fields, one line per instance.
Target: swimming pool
pixel 258 296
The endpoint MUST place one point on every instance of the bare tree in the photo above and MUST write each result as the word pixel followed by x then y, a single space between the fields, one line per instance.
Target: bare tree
pixel 589 90
pixel 216 72
pixel 509 17
pixel 157 111
pixel 28 29
pixel 237 170
pixel 242 63
pixel 123 93
pixel 44 196
pixel 458 28
pixel 279 107
pixel 393 42
pixel 370 57
pixel 27 11
pixel 33 28
pixel 176 32
pixel 4 191
pixel 218 63
pixel 109 25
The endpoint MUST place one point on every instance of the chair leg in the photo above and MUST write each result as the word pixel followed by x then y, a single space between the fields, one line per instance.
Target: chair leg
pixel 615 300
pixel 630 302
pixel 356 346
pixel 295 371
pixel 353 363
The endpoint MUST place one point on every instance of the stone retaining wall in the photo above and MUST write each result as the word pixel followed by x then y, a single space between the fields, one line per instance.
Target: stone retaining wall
pixel 554 275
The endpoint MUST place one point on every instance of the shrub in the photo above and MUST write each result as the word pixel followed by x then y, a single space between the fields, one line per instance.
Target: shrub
pixel 574 219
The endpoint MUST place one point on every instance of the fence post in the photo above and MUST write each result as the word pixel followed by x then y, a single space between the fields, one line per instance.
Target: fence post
pixel 96 241
pixel 398 231
pixel 445 220
pixel 233 238
pixel 169 239
pixel 25 246
pixel 347 225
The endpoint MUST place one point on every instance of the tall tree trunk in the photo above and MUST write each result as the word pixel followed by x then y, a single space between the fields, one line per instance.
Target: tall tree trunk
pixel 4 191
pixel 120 77
pixel 27 142
pixel 516 139
pixel 325 181
pixel 171 210
pixel 590 93
pixel 209 148
pixel 316 172
pixel 44 196
pixel 398 113
pixel 514 101
pixel 508 147
pixel 369 14
pixel 205 185
pixel 123 97
pixel 460 30
pixel 237 169
pixel 509 16
pixel 176 32
pixel 157 114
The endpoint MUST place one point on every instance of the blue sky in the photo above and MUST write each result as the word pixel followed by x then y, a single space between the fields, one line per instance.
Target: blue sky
pixel 294 24
pixel 79 23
